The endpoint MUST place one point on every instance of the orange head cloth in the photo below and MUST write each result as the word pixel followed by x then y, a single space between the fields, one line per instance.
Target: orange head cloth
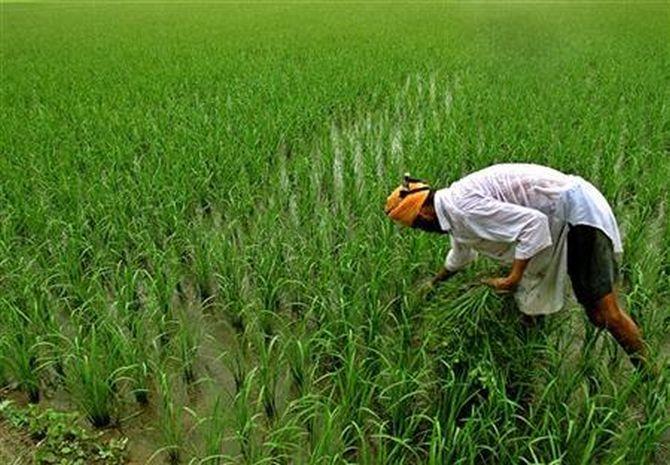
pixel 405 202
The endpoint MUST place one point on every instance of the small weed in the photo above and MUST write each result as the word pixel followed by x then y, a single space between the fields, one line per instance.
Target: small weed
pixel 59 440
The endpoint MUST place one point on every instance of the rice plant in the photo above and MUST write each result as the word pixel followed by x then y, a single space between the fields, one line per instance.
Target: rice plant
pixel 193 247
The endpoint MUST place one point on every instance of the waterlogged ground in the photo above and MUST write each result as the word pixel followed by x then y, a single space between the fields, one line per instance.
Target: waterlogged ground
pixel 194 254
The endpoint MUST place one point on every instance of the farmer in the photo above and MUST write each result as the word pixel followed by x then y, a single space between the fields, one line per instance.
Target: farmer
pixel 542 222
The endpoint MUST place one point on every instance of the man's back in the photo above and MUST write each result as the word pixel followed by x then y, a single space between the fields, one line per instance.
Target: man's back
pixel 528 185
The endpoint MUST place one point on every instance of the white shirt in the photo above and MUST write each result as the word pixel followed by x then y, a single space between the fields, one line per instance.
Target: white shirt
pixel 522 211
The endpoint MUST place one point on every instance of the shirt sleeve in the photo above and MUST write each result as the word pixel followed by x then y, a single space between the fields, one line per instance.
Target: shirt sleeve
pixel 497 221
pixel 459 256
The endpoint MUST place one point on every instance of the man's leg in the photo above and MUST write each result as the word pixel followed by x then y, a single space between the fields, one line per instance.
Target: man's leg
pixel 607 314
pixel 592 271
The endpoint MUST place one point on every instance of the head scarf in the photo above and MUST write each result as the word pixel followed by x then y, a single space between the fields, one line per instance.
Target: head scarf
pixel 405 202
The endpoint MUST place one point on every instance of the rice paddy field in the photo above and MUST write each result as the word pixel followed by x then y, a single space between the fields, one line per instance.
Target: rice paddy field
pixel 194 256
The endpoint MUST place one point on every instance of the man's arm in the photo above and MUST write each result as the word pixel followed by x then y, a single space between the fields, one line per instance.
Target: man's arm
pixel 459 257
pixel 527 228
pixel 512 280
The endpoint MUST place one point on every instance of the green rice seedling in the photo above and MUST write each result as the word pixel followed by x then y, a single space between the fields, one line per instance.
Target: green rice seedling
pixel 215 428
pixel 187 339
pixel 285 441
pixel 282 444
pixel 136 334
pixel 269 368
pixel 237 364
pixel 437 446
pixel 163 284
pixel 232 283
pixel 267 279
pixel 202 264
pixel 171 414
pixel 325 440
pixel 641 439
pixel 298 357
pixel 142 381
pixel 351 390
pixel 94 369
pixel 128 292
pixel 245 418
pixel 139 355
pixel 20 354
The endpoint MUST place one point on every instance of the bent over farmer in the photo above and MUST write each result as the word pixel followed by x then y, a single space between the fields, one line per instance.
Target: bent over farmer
pixel 541 221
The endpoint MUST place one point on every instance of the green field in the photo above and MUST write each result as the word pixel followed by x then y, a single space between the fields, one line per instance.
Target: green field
pixel 193 252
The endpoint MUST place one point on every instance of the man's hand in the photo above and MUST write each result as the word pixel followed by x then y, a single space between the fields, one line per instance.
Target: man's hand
pixel 509 283
pixel 426 288
pixel 502 285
